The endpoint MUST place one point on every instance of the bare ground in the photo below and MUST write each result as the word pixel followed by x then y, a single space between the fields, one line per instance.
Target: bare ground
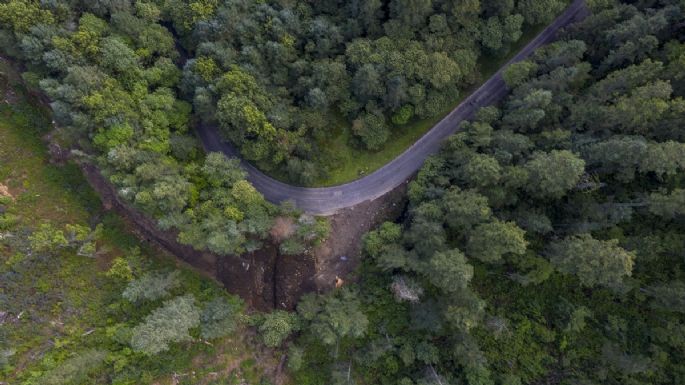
pixel 340 254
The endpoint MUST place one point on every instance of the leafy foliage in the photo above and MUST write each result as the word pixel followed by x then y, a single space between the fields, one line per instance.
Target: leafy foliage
pixel 151 287
pixel 167 324
pixel 333 317
pixel 276 326
pixel 544 243
pixel 595 262
pixel 111 72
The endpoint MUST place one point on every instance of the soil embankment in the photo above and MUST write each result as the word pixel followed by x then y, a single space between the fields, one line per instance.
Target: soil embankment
pixel 251 276
pixel 265 279
pixel 341 253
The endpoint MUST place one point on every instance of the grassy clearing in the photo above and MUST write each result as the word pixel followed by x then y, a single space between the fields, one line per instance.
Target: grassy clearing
pixel 54 309
pixel 352 162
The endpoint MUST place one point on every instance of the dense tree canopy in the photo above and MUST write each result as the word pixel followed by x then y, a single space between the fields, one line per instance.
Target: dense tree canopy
pixel 112 72
pixel 544 243
pixel 274 74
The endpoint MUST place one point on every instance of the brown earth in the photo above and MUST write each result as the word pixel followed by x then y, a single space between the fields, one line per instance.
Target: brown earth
pixel 340 254
pixel 267 279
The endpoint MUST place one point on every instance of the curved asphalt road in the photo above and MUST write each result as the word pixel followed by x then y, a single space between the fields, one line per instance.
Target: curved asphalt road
pixel 328 200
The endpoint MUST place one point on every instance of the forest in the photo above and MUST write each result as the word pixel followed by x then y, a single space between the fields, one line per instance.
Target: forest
pixel 274 75
pixel 544 244
pixel 128 80
pixel 111 71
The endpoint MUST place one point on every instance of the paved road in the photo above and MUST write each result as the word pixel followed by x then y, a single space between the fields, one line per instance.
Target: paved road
pixel 328 200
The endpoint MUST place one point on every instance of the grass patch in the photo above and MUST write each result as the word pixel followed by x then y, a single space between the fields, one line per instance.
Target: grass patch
pixel 352 162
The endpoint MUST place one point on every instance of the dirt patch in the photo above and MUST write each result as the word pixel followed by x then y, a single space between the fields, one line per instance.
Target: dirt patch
pixel 5 191
pixel 251 276
pixel 340 254
pixel 294 276
pixel 269 279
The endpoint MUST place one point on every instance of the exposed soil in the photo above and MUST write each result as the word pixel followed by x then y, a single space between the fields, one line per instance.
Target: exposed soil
pixel 266 279
pixel 251 276
pixel 340 254
pixel 294 276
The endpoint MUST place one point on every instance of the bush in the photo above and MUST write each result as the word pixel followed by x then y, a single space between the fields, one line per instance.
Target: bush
pixel 76 370
pixel 277 326
pixel 151 287
pixel 170 323
pixel 219 318
pixel 8 221
pixel 403 115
